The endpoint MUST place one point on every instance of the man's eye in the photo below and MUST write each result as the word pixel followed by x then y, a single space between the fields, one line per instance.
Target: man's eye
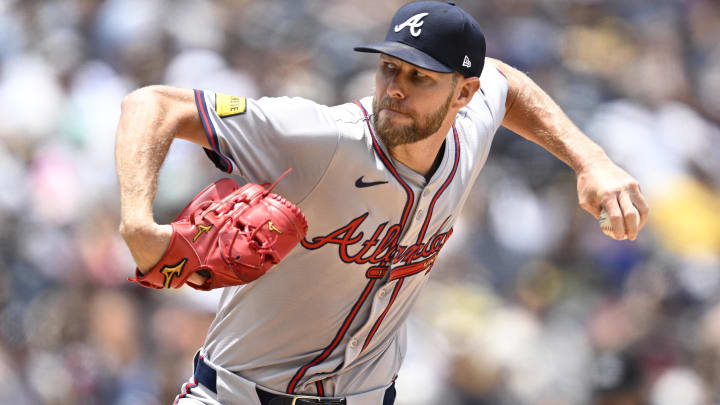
pixel 389 66
pixel 420 75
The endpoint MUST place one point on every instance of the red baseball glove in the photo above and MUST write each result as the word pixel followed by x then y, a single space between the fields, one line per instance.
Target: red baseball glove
pixel 230 234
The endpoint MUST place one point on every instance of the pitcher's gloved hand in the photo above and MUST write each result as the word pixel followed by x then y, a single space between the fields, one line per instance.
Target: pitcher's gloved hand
pixel 229 234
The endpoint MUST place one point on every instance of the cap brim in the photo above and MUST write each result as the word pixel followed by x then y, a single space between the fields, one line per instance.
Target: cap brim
pixel 406 53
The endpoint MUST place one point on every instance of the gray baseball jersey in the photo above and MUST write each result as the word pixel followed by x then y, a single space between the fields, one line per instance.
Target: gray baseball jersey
pixel 329 319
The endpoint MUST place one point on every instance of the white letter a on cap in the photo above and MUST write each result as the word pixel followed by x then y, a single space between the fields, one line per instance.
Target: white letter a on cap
pixel 414 23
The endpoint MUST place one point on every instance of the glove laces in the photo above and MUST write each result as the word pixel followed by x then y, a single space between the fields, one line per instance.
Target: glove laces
pixel 229 205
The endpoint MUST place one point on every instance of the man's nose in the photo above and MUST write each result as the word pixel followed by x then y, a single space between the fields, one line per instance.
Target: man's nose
pixel 395 87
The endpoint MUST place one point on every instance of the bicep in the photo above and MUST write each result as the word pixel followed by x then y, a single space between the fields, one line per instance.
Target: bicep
pixel 269 135
pixel 178 106
pixel 532 114
pixel 514 78
pixel 518 114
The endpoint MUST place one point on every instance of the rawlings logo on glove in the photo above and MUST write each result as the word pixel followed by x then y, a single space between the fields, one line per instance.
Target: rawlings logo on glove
pixel 231 234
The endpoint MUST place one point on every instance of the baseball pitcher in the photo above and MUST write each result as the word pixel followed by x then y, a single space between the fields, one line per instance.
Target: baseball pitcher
pixel 321 268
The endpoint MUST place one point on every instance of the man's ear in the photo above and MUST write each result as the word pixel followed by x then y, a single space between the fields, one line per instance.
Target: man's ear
pixel 468 87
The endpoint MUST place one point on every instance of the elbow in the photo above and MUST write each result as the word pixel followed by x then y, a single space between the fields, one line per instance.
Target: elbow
pixel 149 106
pixel 166 111
pixel 141 98
pixel 145 111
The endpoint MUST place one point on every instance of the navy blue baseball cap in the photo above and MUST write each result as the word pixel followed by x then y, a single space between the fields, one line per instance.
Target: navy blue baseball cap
pixel 436 36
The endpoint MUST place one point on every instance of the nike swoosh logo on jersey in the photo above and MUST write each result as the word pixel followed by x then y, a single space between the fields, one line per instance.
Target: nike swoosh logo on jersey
pixel 359 183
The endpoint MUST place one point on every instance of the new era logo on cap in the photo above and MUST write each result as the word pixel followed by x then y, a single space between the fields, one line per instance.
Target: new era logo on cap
pixel 435 36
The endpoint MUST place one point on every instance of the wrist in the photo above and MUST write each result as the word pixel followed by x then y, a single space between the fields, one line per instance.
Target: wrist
pixel 590 160
pixel 136 227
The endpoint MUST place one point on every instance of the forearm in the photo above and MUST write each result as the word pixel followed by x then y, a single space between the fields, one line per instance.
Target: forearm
pixel 143 139
pixel 532 114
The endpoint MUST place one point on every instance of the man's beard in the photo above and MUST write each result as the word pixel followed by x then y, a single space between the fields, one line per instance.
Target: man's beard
pixel 393 135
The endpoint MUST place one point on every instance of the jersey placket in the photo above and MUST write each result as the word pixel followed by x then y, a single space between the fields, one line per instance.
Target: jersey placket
pixel 387 295
pixel 352 342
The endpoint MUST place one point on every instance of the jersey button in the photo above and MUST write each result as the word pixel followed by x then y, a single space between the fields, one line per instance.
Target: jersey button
pixel 382 293
pixel 419 215
pixel 426 192
pixel 353 343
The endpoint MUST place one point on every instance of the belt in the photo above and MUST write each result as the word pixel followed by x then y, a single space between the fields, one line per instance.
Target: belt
pixel 207 376
pixel 269 398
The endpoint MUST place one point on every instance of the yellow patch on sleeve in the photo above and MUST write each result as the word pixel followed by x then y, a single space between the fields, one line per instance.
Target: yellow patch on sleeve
pixel 227 106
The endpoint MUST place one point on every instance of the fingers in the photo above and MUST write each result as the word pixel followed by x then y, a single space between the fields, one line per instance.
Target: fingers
pixel 630 216
pixel 638 200
pixel 628 212
pixel 612 207
pixel 606 186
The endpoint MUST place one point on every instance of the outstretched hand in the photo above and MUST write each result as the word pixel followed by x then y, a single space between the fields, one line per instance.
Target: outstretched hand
pixel 605 185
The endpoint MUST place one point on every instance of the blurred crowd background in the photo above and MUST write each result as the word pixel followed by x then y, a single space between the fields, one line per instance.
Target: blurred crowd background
pixel 529 303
